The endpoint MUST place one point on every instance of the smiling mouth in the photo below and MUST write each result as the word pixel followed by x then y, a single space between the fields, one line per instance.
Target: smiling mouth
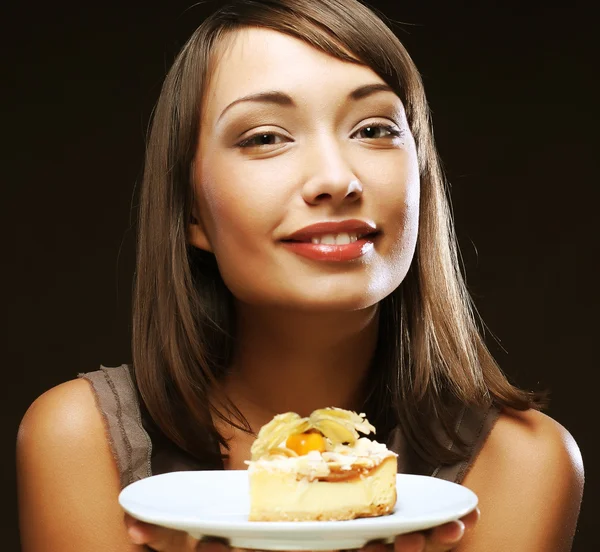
pixel 338 248
pixel 340 238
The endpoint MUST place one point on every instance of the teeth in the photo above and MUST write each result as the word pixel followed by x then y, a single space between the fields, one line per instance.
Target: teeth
pixel 343 238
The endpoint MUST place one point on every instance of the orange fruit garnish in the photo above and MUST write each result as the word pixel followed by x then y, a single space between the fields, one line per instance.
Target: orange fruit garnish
pixel 303 443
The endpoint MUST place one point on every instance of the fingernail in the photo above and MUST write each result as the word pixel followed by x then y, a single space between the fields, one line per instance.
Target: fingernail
pixel 461 531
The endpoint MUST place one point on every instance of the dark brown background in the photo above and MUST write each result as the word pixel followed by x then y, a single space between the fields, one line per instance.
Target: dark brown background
pixel 515 119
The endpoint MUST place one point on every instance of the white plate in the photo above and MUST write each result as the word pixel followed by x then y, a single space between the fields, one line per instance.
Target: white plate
pixel 216 503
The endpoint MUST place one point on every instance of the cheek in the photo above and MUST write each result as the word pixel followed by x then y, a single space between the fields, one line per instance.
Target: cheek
pixel 240 211
pixel 232 206
pixel 399 202
pixel 408 212
pixel 398 198
pixel 402 248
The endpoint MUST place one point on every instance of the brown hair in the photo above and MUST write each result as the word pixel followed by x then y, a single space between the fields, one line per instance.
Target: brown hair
pixel 430 358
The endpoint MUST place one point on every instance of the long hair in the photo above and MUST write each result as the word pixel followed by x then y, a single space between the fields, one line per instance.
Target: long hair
pixel 430 356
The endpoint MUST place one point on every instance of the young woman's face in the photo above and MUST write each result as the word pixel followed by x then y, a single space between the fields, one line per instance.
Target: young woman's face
pixel 313 151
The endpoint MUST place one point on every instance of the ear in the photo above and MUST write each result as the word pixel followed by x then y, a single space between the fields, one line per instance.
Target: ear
pixel 196 234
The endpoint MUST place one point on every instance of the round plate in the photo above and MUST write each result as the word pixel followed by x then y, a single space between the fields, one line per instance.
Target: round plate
pixel 216 503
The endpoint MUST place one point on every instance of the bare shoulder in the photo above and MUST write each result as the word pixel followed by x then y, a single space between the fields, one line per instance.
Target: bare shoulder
pixel 68 482
pixel 528 476
pixel 536 440
pixel 64 424
pixel 62 413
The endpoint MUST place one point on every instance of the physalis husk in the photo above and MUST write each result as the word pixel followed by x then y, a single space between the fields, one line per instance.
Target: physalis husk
pixel 336 424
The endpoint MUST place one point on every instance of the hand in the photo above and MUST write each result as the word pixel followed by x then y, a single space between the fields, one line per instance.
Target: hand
pixel 161 539
pixel 439 539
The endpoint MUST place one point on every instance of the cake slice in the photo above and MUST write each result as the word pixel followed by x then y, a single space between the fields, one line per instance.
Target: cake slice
pixel 320 469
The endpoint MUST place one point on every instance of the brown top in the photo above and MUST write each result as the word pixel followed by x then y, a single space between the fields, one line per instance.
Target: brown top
pixel 138 456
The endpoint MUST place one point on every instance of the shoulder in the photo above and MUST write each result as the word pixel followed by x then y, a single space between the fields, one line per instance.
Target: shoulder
pixel 533 439
pixel 528 476
pixel 62 437
pixel 66 475
pixel 88 413
pixel 65 415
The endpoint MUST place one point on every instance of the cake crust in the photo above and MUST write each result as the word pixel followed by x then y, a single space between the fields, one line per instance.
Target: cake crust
pixel 340 514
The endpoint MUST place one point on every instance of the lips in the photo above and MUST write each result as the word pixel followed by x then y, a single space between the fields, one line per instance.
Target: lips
pixel 307 241
pixel 358 227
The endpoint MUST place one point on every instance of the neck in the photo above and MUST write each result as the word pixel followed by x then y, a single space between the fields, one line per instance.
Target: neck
pixel 299 362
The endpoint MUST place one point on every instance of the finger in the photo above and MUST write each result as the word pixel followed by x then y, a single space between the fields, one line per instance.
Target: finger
pixel 375 546
pixel 215 544
pixel 138 530
pixel 447 534
pixel 160 539
pixel 410 542
pixel 471 519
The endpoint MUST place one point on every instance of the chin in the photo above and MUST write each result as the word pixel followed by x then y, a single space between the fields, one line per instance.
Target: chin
pixel 315 300
pixel 306 292
pixel 341 302
pixel 327 305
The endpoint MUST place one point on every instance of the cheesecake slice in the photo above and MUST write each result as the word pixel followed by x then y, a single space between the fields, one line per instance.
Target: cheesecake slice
pixel 320 469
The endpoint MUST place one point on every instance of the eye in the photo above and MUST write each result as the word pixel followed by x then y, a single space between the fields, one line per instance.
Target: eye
pixel 373 131
pixel 260 139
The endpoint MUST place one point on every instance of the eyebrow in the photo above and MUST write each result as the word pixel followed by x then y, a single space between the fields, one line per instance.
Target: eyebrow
pixel 281 98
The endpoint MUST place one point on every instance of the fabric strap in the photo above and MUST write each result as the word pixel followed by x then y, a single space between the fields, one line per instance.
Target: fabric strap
pixel 117 400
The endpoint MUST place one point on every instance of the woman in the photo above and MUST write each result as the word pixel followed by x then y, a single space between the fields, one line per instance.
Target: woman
pixel 295 251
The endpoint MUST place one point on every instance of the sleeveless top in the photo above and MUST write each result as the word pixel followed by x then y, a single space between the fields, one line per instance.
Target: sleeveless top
pixel 140 452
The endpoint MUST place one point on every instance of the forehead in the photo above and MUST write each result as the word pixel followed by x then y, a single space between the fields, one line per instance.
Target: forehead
pixel 254 60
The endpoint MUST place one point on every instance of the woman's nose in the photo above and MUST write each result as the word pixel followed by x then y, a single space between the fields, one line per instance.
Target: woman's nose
pixel 336 193
pixel 331 179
